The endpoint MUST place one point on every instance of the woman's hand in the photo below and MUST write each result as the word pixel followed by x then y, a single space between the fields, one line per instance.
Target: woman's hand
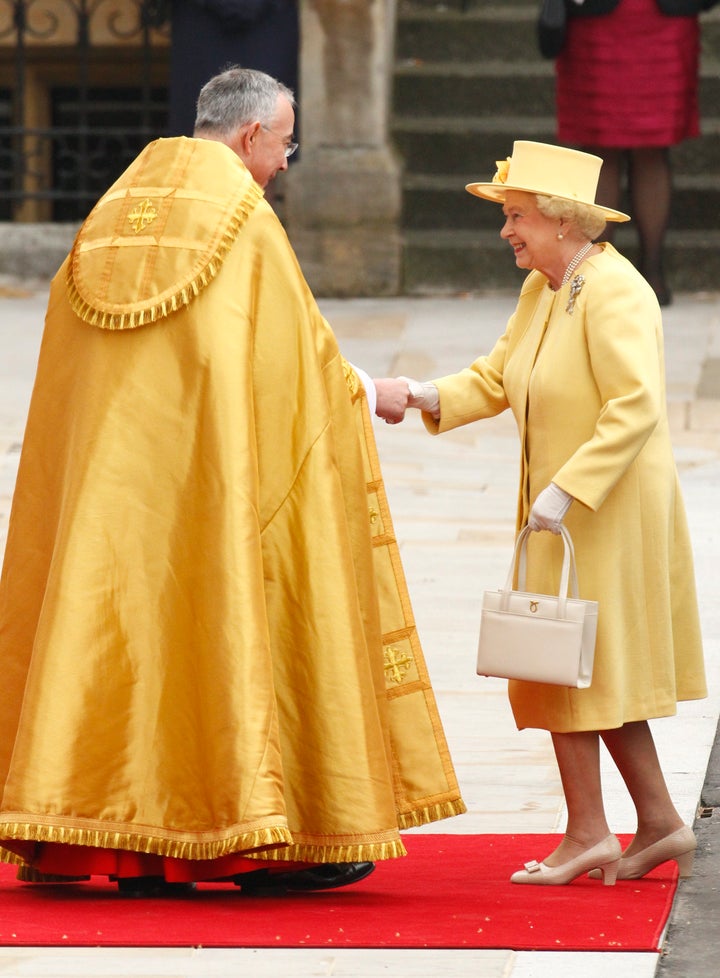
pixel 549 509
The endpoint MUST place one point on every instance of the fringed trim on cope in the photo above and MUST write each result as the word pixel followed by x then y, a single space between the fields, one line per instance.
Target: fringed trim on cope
pixel 245 842
pixel 354 853
pixel 431 813
pixel 150 311
pixel 10 857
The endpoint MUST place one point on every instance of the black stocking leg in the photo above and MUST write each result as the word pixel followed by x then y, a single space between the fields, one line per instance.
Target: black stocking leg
pixel 650 178
pixel 609 183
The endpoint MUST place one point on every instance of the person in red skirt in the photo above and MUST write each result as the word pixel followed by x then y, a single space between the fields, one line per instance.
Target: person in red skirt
pixel 627 90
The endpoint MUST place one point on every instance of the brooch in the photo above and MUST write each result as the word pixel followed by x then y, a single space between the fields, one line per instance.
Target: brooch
pixel 575 290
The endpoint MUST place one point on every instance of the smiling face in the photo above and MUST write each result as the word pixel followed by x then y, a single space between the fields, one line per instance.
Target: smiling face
pixel 532 236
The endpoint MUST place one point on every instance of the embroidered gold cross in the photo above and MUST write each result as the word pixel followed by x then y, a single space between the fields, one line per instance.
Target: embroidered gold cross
pixel 142 215
pixel 397 663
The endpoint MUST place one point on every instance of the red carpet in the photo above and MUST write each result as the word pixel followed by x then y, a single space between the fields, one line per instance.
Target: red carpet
pixel 452 891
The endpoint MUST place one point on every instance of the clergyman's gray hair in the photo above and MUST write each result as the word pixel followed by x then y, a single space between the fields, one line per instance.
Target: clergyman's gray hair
pixel 236 97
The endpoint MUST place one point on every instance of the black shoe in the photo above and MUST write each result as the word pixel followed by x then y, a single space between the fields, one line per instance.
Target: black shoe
pixel 326 876
pixel 152 886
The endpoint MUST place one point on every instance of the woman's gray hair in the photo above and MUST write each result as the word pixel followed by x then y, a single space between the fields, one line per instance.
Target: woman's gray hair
pixel 237 97
pixel 586 218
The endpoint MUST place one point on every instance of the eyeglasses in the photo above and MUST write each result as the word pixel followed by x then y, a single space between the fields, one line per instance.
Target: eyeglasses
pixel 289 147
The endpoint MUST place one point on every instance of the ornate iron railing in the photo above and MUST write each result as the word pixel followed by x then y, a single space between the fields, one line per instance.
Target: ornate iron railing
pixel 82 89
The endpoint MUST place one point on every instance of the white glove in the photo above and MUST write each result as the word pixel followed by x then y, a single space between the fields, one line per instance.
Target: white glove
pixel 549 509
pixel 424 396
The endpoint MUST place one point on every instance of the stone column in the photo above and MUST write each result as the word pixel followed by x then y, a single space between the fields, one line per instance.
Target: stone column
pixel 344 194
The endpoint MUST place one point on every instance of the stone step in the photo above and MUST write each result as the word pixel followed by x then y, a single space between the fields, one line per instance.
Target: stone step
pixel 441 201
pixel 460 89
pixel 29 251
pixel 436 35
pixel 431 145
pixel 450 262
pixel 499 7
pixel 430 36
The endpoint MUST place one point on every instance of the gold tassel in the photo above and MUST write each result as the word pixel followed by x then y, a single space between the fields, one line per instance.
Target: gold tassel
pixel 431 813
pixel 9 857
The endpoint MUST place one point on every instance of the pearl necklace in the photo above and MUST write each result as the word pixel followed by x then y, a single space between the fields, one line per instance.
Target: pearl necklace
pixel 574 262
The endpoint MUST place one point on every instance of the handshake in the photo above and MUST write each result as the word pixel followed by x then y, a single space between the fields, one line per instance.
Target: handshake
pixel 396 394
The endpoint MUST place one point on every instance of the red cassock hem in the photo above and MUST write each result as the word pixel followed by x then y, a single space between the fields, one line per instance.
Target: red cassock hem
pixel 58 859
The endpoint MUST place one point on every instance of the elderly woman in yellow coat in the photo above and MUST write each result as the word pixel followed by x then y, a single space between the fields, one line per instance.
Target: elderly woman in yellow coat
pixel 581 367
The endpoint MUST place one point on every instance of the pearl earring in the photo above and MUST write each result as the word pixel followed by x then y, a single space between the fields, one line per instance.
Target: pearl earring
pixel 560 236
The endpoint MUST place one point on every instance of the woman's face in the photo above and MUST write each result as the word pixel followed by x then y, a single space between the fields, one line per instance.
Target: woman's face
pixel 532 236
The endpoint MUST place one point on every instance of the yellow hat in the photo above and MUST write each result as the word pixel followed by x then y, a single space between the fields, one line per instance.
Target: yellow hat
pixel 555 171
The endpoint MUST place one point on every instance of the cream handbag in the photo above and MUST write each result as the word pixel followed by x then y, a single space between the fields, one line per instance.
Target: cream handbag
pixel 541 638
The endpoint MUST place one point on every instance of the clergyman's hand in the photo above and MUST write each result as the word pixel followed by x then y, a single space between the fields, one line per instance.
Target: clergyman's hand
pixel 393 396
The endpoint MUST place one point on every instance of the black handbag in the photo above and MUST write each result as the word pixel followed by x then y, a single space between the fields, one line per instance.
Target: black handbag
pixel 551 27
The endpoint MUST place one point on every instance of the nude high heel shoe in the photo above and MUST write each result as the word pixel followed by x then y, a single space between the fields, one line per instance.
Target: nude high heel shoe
pixel 605 854
pixel 679 845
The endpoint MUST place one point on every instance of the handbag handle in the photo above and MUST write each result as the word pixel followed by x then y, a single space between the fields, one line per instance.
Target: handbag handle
pixel 568 574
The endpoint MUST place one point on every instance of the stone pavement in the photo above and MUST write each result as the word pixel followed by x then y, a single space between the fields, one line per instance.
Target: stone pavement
pixel 453 502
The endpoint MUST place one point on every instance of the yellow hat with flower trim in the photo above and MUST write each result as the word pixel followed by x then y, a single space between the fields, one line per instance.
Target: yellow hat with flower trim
pixel 553 171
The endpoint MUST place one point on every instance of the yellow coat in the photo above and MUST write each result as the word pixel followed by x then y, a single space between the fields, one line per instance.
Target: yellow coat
pixel 206 641
pixel 587 391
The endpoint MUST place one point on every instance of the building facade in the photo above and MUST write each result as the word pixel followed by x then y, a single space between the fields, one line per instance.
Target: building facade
pixel 84 85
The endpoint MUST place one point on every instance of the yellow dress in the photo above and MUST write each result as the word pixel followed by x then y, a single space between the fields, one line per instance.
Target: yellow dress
pixel 206 641
pixel 585 380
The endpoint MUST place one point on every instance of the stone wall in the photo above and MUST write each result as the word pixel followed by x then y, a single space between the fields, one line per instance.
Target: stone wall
pixel 343 194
